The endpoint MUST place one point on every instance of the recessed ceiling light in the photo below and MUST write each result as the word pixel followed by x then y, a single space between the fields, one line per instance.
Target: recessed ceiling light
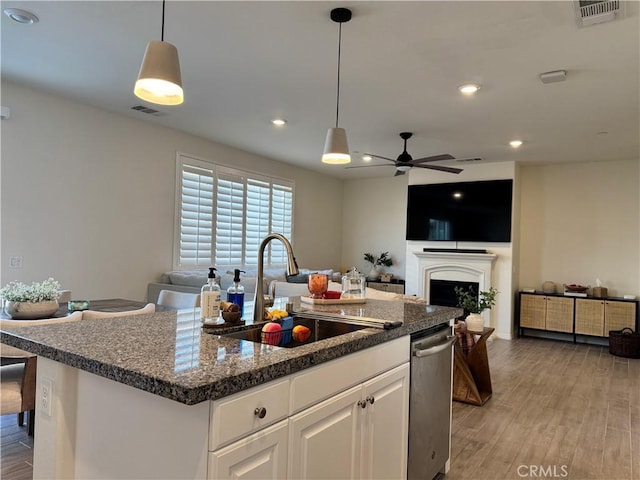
pixel 469 88
pixel 515 143
pixel 21 16
pixel 279 122
pixel 366 158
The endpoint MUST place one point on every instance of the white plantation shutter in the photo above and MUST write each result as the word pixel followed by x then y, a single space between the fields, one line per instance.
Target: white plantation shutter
pixel 196 210
pixel 281 215
pixel 229 220
pixel 225 213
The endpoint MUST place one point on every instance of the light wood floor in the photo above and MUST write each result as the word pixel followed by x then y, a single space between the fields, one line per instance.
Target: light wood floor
pixel 558 410
pixel 16 449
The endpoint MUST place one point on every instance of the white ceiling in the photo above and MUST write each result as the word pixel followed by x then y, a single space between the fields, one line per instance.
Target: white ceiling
pixel 244 63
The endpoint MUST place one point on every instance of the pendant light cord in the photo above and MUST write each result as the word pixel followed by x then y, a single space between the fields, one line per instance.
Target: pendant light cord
pixel 338 89
pixel 162 35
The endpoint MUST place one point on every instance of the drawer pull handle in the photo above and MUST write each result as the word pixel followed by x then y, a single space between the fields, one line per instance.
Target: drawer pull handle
pixel 362 403
pixel 260 412
pixel 370 399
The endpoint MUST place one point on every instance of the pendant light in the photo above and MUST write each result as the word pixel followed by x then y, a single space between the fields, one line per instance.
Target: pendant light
pixel 159 80
pixel 336 148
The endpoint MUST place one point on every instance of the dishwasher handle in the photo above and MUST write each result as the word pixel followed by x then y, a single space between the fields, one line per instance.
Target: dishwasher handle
pixel 436 348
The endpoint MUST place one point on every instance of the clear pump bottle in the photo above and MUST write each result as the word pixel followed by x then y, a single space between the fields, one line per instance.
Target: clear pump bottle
pixel 235 293
pixel 210 299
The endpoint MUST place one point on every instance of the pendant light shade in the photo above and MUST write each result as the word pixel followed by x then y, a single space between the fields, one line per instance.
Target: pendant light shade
pixel 159 80
pixel 336 148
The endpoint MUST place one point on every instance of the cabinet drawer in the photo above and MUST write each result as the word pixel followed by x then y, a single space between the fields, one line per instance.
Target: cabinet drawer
pixel 323 381
pixel 238 415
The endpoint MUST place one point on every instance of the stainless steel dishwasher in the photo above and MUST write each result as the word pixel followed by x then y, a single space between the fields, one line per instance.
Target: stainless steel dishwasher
pixel 430 402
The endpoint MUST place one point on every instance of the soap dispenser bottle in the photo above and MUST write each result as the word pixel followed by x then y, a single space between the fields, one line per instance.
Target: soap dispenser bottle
pixel 210 299
pixel 235 293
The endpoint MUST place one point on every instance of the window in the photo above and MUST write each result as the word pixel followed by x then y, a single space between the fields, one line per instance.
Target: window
pixel 223 214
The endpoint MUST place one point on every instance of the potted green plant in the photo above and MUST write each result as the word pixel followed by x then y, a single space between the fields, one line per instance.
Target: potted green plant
pixel 38 300
pixel 474 304
pixel 384 260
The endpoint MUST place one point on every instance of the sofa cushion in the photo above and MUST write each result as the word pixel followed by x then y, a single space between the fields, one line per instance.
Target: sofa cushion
pixel 193 278
pixel 299 278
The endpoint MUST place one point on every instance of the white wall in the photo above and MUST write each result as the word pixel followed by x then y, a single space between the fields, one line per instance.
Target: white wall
pixel 374 215
pixel 88 196
pixel 581 222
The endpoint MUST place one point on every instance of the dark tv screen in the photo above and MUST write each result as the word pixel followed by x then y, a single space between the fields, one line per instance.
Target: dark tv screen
pixel 461 212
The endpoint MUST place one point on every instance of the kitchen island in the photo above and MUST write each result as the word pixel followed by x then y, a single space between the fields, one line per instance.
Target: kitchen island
pixel 156 397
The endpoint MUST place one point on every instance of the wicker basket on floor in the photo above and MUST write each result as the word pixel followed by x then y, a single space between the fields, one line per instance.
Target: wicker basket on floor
pixel 624 343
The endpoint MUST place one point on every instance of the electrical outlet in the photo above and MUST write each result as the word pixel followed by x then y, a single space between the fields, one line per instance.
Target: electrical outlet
pixel 46 391
pixel 15 262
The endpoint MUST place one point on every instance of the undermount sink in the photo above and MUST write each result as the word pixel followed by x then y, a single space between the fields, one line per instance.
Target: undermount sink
pixel 320 330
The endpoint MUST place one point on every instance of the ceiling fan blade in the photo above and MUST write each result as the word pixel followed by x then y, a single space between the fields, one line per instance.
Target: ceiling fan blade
pixel 399 172
pixel 434 158
pixel 440 168
pixel 378 156
pixel 367 166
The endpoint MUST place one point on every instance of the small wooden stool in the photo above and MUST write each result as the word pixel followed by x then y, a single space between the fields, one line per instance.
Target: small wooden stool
pixel 471 376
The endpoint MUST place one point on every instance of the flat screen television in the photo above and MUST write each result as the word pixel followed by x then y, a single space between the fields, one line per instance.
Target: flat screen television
pixel 460 212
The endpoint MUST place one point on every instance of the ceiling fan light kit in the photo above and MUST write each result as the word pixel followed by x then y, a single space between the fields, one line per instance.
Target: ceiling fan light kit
pixel 336 147
pixel 159 80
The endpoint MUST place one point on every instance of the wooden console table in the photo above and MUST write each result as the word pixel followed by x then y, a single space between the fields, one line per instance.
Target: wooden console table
pixel 471 375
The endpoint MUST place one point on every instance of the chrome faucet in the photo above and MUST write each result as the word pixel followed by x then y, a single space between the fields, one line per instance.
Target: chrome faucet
pixel 292 269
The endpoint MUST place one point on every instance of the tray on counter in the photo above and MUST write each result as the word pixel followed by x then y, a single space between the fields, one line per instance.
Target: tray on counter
pixel 331 301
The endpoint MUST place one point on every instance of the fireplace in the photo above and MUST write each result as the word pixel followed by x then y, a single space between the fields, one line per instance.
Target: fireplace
pixel 436 273
pixel 441 292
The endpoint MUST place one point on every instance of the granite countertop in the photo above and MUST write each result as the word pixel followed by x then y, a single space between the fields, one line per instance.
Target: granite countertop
pixel 170 355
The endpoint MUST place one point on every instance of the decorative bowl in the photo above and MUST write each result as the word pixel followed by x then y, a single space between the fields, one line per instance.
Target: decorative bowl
pixel 574 287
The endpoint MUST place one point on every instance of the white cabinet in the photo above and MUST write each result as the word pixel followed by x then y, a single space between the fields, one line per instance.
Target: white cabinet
pixel 386 426
pixel 360 433
pixel 260 456
pixel 347 418
pixel 326 438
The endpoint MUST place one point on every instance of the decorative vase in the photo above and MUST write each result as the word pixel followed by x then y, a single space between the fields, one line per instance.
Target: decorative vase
pixel 30 310
pixel 474 322
pixel 374 273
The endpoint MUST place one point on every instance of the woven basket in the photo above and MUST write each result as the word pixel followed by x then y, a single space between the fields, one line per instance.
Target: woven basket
pixel 624 343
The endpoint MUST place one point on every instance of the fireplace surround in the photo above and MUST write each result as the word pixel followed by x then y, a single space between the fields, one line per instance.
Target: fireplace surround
pixel 452 266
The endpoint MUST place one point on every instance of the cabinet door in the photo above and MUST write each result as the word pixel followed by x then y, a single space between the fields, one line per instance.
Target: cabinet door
pixel 618 315
pixel 324 440
pixel 532 308
pixel 590 317
pixel 559 314
pixel 260 456
pixel 385 431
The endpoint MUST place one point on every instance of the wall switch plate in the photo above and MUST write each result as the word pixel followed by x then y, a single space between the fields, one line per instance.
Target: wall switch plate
pixel 46 391
pixel 15 262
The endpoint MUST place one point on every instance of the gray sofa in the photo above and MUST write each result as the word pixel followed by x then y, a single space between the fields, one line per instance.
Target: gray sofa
pixel 191 281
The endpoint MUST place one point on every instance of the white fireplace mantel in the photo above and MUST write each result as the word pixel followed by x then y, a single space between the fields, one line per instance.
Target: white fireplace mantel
pixel 456 266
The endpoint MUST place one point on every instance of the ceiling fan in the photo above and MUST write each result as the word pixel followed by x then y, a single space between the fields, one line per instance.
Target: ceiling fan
pixel 405 162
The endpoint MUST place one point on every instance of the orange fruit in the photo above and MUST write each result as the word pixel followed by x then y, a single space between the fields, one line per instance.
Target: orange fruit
pixel 301 333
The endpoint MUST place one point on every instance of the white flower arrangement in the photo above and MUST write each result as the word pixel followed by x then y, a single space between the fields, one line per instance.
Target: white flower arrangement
pixel 36 292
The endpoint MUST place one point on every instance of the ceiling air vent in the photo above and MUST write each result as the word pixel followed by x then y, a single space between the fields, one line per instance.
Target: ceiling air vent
pixel 474 159
pixel 147 110
pixel 590 12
